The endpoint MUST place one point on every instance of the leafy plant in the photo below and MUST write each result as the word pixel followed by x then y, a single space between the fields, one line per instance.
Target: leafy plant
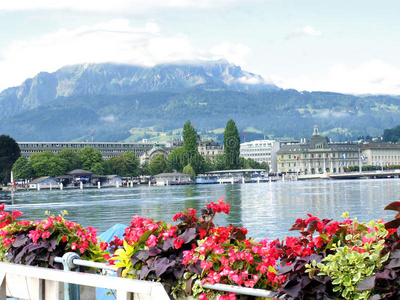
pixel 38 243
pixel 156 250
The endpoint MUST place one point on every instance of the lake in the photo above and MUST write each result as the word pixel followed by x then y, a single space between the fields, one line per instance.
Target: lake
pixel 267 210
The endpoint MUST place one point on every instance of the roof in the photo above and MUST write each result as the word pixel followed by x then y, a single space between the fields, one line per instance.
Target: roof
pixel 43 178
pixel 331 147
pixel 380 146
pixel 235 171
pixel 79 172
pixel 64 177
pixel 112 176
pixel 170 175
pixel 99 176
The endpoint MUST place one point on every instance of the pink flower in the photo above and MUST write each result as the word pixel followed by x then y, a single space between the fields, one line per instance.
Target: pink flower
pixel 152 241
pixel 206 265
pixel 203 296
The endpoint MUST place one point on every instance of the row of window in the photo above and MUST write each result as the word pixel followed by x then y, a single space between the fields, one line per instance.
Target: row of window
pixel 149 146
pixel 391 158
pixel 299 164
pixel 322 155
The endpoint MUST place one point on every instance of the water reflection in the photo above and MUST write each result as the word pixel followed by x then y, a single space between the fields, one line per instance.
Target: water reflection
pixel 267 209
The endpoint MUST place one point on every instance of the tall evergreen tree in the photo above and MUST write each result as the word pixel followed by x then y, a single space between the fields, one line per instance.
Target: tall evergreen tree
pixel 190 154
pixel 189 138
pixel 231 146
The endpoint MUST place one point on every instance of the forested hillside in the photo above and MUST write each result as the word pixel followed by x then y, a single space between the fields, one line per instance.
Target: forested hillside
pixel 112 100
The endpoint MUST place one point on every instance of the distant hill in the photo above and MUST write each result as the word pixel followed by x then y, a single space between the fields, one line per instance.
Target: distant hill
pixel 112 99
pixel 114 79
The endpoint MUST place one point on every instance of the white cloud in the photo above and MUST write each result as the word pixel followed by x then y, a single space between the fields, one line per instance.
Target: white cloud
pixel 234 53
pixel 372 77
pixel 115 41
pixel 250 80
pixel 304 31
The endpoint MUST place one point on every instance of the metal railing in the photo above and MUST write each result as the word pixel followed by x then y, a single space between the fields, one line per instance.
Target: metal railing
pixel 124 287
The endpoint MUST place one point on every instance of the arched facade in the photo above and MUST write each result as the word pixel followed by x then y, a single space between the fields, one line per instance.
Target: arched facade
pixel 149 155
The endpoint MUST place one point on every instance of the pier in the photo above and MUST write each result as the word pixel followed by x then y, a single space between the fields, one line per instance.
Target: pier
pixel 353 175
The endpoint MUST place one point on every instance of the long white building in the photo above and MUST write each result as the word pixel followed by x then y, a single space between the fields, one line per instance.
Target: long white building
pixel 259 150
pixel 108 150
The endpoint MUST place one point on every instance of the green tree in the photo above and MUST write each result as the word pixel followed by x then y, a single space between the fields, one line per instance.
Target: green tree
pixel 231 146
pixel 144 169
pixel 391 135
pixel 102 168
pixel 189 138
pixel 47 164
pixel 9 153
pixel 159 164
pixel 22 169
pixel 89 157
pixel 72 159
pixel 219 162
pixel 178 159
pixel 126 165
pixel 264 165
pixel 197 162
pixel 190 171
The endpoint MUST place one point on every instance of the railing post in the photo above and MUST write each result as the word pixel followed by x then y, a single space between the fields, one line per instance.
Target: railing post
pixel 71 291
pixel 3 288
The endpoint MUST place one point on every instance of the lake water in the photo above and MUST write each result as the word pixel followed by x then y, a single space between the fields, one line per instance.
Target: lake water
pixel 267 210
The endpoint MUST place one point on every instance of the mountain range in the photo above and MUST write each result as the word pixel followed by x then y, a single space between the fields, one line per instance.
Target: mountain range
pixel 112 99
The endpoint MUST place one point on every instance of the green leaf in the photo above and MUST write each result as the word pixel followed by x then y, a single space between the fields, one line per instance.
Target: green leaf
pixel 337 281
pixel 336 289
pixel 272 270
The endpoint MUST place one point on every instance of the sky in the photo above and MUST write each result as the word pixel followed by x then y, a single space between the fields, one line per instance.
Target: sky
pixel 340 46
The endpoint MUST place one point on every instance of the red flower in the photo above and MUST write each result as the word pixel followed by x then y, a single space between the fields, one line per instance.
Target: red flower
pixel 177 216
pixel 178 242
pixel 203 233
pixel 15 213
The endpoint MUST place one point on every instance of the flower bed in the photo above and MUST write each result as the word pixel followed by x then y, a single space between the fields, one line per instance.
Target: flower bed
pixel 328 260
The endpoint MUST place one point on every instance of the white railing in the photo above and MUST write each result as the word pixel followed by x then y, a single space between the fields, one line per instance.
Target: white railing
pixel 27 282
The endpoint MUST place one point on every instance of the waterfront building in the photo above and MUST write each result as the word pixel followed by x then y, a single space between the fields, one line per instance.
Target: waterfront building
pixel 147 156
pixel 43 182
pixel 381 155
pixel 108 150
pixel 316 155
pixel 259 150
pixel 207 148
pixel 273 167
